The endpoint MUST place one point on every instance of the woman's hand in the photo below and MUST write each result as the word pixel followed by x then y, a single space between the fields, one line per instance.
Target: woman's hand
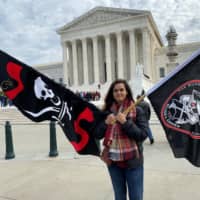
pixel 121 118
pixel 110 119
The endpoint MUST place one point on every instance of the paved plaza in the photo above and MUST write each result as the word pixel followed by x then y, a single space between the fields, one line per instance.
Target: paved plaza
pixel 32 175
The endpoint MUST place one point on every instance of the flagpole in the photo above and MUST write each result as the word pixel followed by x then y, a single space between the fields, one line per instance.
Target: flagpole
pixel 132 106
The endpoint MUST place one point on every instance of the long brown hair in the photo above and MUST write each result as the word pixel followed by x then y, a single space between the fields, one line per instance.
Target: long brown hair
pixel 109 99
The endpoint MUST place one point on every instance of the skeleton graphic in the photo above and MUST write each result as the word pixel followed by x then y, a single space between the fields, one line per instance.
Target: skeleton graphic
pixel 186 109
pixel 44 93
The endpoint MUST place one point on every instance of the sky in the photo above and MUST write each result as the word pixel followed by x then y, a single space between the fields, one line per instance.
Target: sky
pixel 28 27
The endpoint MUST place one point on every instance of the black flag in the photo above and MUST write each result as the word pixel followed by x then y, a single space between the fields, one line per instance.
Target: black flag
pixel 176 101
pixel 40 98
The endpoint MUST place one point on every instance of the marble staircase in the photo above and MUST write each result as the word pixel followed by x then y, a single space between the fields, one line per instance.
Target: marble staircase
pixel 13 115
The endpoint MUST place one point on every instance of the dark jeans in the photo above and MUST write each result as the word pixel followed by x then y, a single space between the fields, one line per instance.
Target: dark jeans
pixel 122 178
pixel 150 135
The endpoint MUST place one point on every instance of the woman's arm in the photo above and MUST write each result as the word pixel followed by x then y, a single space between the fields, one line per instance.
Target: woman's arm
pixel 138 129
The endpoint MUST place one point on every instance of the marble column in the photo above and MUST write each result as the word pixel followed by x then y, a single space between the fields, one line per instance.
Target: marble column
pixel 85 61
pixel 75 64
pixel 146 51
pixel 120 57
pixel 132 54
pixel 96 59
pixel 90 61
pixel 108 58
pixel 80 62
pixel 70 64
pixel 65 64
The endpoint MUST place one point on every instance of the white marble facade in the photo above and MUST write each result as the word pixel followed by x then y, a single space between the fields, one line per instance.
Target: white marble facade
pixel 52 70
pixel 108 43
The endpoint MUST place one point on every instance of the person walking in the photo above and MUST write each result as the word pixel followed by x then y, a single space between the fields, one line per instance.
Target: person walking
pixel 123 135
pixel 147 110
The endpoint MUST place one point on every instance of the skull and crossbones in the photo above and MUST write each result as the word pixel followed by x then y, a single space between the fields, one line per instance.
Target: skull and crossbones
pixel 44 93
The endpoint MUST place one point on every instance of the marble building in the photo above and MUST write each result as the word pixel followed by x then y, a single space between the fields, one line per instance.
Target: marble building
pixel 52 70
pixel 108 43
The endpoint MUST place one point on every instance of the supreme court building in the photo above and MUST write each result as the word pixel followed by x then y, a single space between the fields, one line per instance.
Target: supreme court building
pixel 108 43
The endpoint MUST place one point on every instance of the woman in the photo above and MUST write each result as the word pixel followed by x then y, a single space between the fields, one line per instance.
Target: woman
pixel 123 136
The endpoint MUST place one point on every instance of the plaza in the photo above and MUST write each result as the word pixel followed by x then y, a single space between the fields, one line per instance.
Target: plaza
pixel 32 174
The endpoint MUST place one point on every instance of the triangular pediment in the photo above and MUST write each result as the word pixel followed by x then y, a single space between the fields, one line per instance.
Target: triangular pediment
pixel 100 15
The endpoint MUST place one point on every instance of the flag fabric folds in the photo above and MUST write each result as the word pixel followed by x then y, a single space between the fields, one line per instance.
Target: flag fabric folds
pixel 176 101
pixel 39 98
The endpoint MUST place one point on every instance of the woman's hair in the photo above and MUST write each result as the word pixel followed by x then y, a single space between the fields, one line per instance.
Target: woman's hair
pixel 109 99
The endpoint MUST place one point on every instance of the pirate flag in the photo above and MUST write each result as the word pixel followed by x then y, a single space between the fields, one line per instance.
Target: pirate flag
pixel 40 98
pixel 176 100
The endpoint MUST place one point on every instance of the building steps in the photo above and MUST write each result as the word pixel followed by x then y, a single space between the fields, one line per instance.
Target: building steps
pixel 13 115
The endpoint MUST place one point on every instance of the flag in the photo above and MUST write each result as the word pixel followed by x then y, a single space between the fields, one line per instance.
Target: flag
pixel 176 101
pixel 39 98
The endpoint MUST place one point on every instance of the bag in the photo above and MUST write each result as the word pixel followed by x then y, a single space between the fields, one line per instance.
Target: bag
pixel 105 156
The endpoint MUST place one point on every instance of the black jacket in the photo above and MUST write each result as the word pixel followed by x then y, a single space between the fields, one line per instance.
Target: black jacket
pixel 136 130
pixel 146 107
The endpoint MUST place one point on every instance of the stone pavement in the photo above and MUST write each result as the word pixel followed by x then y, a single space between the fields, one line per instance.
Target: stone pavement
pixel 32 175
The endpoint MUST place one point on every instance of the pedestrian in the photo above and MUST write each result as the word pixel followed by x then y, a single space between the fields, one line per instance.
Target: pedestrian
pixel 146 107
pixel 123 137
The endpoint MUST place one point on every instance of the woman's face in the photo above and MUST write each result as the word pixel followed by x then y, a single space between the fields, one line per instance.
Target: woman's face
pixel 119 92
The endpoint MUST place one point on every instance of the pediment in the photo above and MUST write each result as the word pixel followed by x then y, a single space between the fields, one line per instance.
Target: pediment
pixel 100 15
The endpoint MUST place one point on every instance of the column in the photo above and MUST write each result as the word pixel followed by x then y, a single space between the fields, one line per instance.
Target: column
pixel 146 51
pixel 120 57
pixel 108 58
pixel 90 61
pixel 80 62
pixel 85 61
pixel 70 64
pixel 65 65
pixel 96 59
pixel 75 64
pixel 132 54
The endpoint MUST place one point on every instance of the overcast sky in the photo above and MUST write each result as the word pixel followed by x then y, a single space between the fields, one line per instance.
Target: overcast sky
pixel 28 27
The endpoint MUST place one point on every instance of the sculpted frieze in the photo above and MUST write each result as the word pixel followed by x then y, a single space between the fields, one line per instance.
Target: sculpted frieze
pixel 99 17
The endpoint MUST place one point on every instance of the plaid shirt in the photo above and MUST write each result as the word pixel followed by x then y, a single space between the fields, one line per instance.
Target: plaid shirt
pixel 121 147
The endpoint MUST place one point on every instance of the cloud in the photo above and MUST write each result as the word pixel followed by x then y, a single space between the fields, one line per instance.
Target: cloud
pixel 28 28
